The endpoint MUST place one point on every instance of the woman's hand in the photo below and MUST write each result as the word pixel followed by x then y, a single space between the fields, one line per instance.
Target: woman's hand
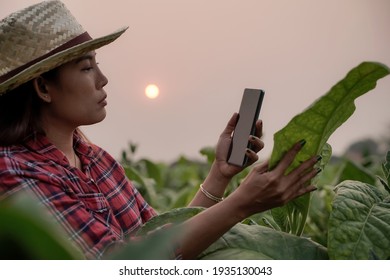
pixel 221 172
pixel 223 146
pixel 262 189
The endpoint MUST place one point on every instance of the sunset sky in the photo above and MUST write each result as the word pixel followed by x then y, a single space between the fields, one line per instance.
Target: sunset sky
pixel 203 53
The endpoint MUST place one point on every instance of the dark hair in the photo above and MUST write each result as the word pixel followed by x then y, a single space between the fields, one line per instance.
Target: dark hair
pixel 20 112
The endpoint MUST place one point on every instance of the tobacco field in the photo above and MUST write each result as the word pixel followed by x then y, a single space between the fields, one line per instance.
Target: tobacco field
pixel 348 217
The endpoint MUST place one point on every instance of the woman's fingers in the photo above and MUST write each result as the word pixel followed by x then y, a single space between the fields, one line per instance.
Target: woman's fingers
pixel 303 169
pixel 296 183
pixel 252 156
pixel 302 175
pixel 304 186
pixel 289 158
pixel 262 168
pixel 227 132
pixel 259 128
pixel 256 143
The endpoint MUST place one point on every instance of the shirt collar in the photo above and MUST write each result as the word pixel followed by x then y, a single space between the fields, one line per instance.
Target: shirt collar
pixel 82 146
pixel 39 143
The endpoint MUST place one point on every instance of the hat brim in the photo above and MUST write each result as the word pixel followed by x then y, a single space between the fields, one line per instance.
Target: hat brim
pixel 58 59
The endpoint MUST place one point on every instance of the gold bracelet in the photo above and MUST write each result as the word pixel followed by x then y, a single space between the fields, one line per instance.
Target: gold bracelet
pixel 209 195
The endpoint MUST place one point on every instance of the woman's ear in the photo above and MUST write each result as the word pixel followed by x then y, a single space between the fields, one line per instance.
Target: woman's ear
pixel 41 89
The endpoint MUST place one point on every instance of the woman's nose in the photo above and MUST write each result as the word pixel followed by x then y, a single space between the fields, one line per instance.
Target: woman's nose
pixel 102 79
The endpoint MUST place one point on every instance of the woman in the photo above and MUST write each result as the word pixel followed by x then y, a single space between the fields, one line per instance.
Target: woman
pixel 47 93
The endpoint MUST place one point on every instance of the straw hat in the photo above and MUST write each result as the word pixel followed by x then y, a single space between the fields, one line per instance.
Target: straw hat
pixel 40 38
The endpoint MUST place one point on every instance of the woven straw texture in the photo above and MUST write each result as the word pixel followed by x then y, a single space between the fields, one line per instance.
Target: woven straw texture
pixel 33 32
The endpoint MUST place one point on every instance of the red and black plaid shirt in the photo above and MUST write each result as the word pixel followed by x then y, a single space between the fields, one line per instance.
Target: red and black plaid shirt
pixel 98 207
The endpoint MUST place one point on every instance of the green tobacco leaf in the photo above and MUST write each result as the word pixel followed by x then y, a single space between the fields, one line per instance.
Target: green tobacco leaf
pixel 351 171
pixel 209 153
pixel 323 117
pixel 244 241
pixel 386 172
pixel 26 232
pixel 155 246
pixel 153 171
pixel 359 224
pixel 146 186
pixel 258 242
pixel 174 216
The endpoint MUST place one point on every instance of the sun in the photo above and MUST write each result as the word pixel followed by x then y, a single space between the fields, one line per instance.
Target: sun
pixel 152 91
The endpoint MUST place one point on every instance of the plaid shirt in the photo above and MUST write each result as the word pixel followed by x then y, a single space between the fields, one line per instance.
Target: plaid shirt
pixel 97 206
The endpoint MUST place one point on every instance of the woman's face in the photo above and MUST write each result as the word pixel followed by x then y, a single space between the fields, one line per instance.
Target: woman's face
pixel 76 94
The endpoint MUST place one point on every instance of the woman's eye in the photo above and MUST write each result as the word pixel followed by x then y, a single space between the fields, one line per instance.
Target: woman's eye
pixel 89 68
pixel 89 65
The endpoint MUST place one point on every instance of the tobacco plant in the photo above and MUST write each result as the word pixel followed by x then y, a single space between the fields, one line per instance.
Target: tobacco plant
pixel 316 124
